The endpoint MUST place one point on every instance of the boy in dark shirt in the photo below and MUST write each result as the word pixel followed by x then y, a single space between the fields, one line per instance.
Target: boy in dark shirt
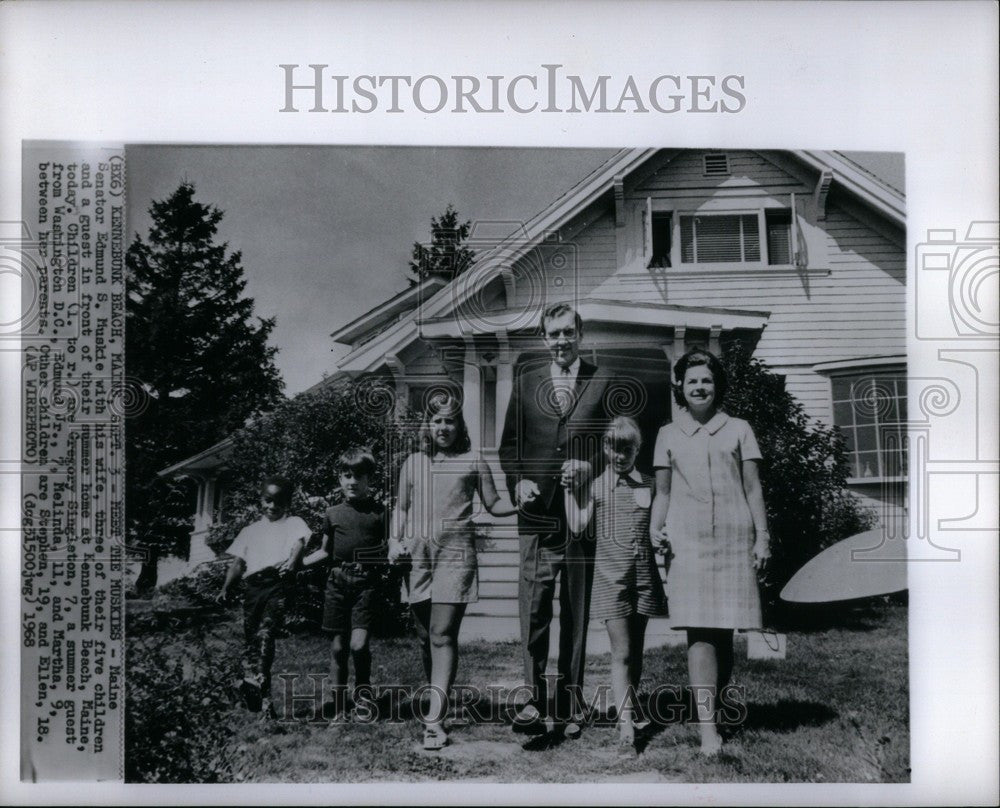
pixel 354 540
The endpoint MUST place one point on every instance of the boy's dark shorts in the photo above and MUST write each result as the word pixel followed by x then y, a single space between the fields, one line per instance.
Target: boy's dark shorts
pixel 264 603
pixel 350 599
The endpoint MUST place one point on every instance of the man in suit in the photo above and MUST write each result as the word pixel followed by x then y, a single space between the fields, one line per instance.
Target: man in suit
pixel 552 440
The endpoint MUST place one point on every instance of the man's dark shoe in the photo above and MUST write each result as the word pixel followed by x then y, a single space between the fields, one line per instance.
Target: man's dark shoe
pixel 528 721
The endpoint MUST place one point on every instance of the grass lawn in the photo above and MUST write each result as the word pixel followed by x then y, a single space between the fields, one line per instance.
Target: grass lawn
pixel 835 710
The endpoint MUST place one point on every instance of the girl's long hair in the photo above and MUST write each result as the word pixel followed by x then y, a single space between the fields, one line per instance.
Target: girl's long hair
pixel 448 402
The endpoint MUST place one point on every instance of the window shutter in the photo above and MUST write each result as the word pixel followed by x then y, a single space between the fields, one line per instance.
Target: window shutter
pixel 797 257
pixel 647 233
pixel 779 236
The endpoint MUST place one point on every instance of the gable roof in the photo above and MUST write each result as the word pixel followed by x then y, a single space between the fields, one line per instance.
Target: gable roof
pixel 847 174
pixel 403 301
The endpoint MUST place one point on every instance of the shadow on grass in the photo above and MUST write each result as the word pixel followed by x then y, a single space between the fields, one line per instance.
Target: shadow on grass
pixel 861 614
pixel 786 715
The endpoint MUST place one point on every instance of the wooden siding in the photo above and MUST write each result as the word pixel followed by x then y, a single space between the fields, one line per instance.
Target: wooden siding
pixel 849 303
pixel 747 169
pixel 853 308
pixel 572 268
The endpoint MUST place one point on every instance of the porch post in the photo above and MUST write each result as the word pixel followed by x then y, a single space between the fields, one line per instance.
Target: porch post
pixel 713 340
pixel 505 380
pixel 472 384
pixel 402 391
pixel 198 550
pixel 675 348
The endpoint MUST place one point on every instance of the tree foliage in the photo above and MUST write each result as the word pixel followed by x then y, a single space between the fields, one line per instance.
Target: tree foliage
pixel 197 359
pixel 804 470
pixel 301 440
pixel 446 255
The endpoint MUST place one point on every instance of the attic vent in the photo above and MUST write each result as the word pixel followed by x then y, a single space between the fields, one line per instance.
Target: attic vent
pixel 716 165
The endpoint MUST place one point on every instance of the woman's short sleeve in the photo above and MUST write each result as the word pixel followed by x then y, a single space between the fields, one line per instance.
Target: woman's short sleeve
pixel 749 450
pixel 661 452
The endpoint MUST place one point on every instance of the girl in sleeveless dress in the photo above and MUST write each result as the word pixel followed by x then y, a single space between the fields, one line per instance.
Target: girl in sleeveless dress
pixel 709 513
pixel 433 526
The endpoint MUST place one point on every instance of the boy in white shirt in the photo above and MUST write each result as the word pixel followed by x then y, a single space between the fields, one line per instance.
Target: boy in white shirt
pixel 266 554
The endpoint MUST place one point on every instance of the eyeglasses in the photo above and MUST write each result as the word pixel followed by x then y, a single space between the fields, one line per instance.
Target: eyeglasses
pixel 568 333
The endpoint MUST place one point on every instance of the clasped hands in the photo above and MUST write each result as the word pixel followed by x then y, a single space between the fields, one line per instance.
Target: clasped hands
pixel 660 541
pixel 573 475
pixel 398 551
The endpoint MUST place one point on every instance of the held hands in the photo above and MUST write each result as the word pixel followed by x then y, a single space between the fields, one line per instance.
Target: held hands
pixel 762 551
pixel 525 492
pixel 575 474
pixel 661 543
pixel 398 551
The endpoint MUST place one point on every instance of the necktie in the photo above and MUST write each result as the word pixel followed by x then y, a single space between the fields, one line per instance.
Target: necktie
pixel 564 390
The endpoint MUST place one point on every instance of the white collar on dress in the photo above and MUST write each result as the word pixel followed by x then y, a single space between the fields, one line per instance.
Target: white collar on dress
pixel 612 476
pixel 689 426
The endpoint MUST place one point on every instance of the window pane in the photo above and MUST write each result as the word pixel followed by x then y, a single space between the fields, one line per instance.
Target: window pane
pixel 866 438
pixel 843 414
pixel 849 439
pixel 875 405
pixel 841 388
pixel 868 465
pixel 717 239
pixel 726 238
pixel 687 239
pixel 779 236
pixel 893 451
pixel 863 401
pixel 751 238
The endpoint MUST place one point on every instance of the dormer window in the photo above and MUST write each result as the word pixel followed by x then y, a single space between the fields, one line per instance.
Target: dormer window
pixel 755 238
pixel 720 239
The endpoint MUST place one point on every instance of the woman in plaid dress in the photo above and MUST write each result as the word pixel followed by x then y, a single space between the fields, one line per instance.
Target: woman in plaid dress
pixel 627 589
pixel 709 514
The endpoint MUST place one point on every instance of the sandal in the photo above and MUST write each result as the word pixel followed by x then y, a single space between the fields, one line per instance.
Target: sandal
pixel 435 737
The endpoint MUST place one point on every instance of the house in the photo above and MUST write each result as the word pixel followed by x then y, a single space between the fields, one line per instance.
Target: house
pixel 798 254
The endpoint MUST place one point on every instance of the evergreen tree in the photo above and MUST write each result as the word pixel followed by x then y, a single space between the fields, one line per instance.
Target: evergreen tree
pixel 197 354
pixel 446 256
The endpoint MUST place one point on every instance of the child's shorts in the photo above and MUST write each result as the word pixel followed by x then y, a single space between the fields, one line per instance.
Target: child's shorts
pixel 264 603
pixel 349 601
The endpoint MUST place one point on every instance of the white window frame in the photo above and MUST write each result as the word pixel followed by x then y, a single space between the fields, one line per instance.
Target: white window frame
pixel 676 212
pixel 864 368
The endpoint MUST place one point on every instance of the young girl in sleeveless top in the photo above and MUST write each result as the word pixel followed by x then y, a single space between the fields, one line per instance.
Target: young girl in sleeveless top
pixel 433 526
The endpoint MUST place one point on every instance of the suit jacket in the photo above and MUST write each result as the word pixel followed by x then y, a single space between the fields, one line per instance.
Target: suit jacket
pixel 538 438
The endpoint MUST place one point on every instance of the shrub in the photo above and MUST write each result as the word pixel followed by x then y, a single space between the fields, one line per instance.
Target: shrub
pixel 197 589
pixel 301 440
pixel 804 470
pixel 178 726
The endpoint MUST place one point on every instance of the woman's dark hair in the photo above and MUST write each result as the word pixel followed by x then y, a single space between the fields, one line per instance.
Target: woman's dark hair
pixel 693 358
pixel 448 402
pixel 283 484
